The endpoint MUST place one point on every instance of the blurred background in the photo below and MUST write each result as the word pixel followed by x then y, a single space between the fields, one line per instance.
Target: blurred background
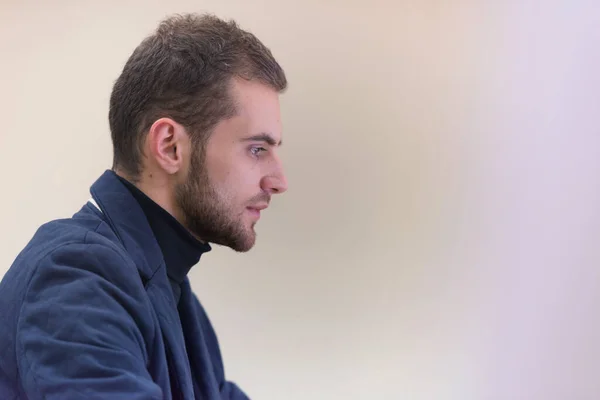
pixel 439 239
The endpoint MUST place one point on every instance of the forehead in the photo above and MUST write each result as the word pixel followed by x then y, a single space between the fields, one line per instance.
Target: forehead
pixel 258 107
pixel 257 113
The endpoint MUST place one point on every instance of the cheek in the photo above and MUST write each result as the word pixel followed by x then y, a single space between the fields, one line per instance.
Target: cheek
pixel 244 185
pixel 228 189
pixel 236 179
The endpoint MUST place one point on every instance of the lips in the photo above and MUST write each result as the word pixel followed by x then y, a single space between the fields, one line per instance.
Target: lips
pixel 259 207
pixel 255 210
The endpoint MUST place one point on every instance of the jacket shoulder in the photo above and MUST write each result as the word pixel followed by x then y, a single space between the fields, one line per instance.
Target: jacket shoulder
pixel 85 305
pixel 74 295
pixel 85 227
pixel 83 241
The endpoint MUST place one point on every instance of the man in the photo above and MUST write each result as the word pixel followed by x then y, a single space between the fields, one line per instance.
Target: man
pixel 98 306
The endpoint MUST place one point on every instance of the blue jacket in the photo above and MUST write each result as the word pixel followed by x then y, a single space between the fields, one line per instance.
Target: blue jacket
pixel 87 312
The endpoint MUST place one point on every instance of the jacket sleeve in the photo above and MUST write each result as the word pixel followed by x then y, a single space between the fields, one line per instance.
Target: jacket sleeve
pixel 77 336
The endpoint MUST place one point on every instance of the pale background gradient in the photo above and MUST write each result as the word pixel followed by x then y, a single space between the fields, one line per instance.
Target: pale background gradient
pixel 440 238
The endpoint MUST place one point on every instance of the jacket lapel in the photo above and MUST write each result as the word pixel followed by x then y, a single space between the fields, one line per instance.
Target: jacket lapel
pixel 126 218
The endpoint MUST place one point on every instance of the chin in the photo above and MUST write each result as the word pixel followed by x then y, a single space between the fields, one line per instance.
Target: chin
pixel 247 245
pixel 241 243
pixel 242 248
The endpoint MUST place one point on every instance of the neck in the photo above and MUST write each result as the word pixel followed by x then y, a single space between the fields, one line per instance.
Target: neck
pixel 156 188
pixel 160 191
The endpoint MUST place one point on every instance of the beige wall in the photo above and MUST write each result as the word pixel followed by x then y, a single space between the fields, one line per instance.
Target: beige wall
pixel 440 236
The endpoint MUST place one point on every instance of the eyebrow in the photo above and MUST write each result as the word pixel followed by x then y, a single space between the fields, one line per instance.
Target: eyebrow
pixel 263 137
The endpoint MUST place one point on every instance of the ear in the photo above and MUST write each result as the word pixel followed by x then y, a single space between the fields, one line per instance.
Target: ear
pixel 168 141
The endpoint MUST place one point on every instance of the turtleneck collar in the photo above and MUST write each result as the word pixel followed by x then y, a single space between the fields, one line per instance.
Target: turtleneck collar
pixel 180 249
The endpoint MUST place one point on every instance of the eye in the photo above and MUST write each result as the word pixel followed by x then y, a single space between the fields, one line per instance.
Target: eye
pixel 255 151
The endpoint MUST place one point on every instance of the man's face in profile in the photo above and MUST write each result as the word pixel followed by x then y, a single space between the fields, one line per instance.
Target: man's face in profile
pixel 233 180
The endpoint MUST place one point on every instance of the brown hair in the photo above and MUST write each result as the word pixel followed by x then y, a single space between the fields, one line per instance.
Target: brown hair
pixel 183 71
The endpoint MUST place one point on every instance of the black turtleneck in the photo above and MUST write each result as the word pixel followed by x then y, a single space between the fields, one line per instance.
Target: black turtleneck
pixel 180 249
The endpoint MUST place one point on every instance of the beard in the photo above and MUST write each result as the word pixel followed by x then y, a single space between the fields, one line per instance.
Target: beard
pixel 209 215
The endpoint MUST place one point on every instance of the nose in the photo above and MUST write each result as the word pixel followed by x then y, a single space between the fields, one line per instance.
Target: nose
pixel 274 183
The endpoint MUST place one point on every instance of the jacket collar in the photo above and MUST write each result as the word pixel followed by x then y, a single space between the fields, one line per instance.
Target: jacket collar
pixel 127 219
